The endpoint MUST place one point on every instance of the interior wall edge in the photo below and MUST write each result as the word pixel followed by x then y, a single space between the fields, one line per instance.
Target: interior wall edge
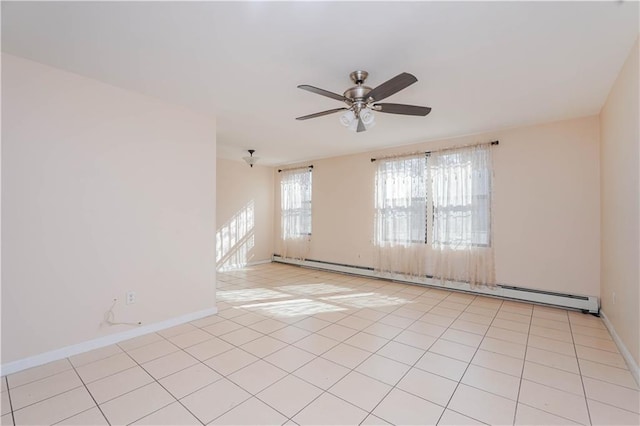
pixel 631 362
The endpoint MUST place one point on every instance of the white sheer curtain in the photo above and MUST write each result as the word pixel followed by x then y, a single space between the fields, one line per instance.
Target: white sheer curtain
pixel 433 215
pixel 295 196
pixel 461 191
pixel 400 222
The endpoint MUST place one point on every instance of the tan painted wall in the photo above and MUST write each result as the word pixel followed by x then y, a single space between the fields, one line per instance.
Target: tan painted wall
pixel 244 212
pixel 546 210
pixel 103 191
pixel 620 193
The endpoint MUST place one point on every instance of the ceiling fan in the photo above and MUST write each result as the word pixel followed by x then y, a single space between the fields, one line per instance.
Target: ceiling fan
pixel 361 100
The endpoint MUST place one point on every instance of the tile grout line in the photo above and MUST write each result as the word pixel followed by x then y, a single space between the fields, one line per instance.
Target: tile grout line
pixel 90 394
pixel 287 344
pixel 37 380
pixel 552 387
pixel 415 320
pixel 394 386
pixel 150 375
pixel 165 389
pixel 320 356
pixel 47 398
pixel 110 375
pixel 418 360
pixel 407 372
pixel 446 356
pixel 178 371
pixel 586 402
pixel 524 363
pixel 446 407
pixel 13 416
pixel 370 412
pixel 263 359
pixel 323 391
pixel 222 376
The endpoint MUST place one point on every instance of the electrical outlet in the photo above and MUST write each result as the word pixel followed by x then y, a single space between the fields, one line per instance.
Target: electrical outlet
pixel 131 297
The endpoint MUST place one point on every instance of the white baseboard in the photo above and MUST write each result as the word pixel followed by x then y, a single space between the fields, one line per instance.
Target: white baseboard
pixel 631 363
pixel 89 345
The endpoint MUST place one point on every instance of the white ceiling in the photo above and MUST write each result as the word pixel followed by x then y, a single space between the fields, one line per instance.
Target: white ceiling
pixel 480 66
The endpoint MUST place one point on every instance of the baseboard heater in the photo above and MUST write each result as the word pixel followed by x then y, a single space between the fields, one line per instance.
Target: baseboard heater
pixel 589 304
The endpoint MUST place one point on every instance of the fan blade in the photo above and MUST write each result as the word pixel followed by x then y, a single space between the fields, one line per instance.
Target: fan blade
pixel 388 88
pixel 322 92
pixel 361 127
pixel 402 109
pixel 320 114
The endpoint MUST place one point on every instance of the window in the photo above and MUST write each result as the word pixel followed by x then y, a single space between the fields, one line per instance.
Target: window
pixel 401 200
pixel 295 194
pixel 461 197
pixel 442 199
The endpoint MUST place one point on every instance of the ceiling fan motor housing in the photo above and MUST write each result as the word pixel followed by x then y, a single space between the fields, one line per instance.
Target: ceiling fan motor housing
pixel 357 93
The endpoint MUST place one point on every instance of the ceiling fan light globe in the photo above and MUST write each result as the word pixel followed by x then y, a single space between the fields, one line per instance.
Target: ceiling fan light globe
pixel 367 117
pixel 348 118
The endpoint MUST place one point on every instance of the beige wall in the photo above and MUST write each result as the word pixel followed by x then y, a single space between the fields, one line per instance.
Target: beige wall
pixel 620 189
pixel 244 211
pixel 103 191
pixel 546 211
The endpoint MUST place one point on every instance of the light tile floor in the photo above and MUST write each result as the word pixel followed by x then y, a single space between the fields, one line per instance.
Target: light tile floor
pixel 292 345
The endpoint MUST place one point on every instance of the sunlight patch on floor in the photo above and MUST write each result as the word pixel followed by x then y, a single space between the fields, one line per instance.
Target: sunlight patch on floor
pixel 319 288
pixel 293 308
pixel 366 300
pixel 249 295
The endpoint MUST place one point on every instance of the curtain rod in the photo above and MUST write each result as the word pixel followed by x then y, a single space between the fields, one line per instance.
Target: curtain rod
pixel 296 168
pixel 435 150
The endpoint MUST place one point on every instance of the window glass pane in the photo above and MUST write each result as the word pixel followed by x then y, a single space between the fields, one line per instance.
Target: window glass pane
pixel 461 188
pixel 401 200
pixel 295 190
